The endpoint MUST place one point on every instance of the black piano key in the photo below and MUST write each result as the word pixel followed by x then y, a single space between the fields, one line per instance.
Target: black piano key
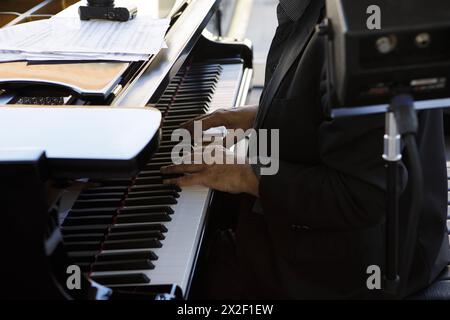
pixel 147 180
pixel 150 243
pixel 152 200
pixel 84 237
pixel 193 99
pixel 172 89
pixel 97 203
pixel 83 246
pixel 185 99
pixel 84 229
pixel 146 209
pixel 201 78
pixel 169 121
pixel 152 187
pixel 150 173
pixel 122 265
pixel 144 217
pixel 121 256
pixel 190 104
pixel 165 105
pixel 159 160
pixel 139 227
pixel 166 136
pixel 183 105
pixel 173 86
pixel 197 80
pixel 93 212
pixel 181 117
pixel 118 279
pixel 90 257
pixel 171 193
pixel 87 220
pixel 198 86
pixel 156 174
pixel 194 112
pixel 205 65
pixel 195 95
pixel 204 90
pixel 202 75
pixel 162 109
pixel 209 72
pixel 163 155
pixel 100 190
pixel 203 71
pixel 136 235
pixel 109 196
pixel 168 143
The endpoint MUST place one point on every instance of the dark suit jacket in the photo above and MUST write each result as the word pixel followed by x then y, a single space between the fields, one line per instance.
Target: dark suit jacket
pixel 323 213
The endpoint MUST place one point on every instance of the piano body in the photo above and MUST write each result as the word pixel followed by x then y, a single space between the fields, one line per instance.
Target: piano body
pixel 135 234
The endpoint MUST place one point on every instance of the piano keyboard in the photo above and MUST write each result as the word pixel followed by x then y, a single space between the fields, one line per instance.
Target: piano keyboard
pixel 136 232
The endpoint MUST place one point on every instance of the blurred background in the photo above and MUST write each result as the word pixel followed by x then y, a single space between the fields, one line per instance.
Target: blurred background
pixel 255 20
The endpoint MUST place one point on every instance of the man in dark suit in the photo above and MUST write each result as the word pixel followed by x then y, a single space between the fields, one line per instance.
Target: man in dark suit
pixel 313 229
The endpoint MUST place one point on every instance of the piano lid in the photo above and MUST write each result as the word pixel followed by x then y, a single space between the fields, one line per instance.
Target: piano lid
pixel 185 30
pixel 82 142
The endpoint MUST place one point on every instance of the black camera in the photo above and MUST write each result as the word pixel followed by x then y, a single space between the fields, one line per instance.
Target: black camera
pixel 105 9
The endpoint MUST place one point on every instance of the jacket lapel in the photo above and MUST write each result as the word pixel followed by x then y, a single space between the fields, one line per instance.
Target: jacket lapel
pixel 296 43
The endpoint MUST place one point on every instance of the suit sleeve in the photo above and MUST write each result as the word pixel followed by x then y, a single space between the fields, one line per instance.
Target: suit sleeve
pixel 346 190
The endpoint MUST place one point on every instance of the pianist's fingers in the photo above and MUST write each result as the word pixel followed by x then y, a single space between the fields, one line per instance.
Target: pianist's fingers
pixel 227 178
pixel 215 119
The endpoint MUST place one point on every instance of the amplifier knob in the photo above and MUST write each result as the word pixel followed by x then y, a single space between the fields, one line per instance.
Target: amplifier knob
pixel 423 40
pixel 386 44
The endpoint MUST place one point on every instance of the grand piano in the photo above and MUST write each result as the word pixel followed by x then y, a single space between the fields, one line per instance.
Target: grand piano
pixel 133 234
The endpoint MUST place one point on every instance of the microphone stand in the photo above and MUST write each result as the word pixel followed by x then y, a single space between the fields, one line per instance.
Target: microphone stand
pixel 392 156
pixel 401 123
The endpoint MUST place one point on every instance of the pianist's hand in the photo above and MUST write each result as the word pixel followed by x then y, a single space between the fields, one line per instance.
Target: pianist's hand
pixel 231 178
pixel 238 118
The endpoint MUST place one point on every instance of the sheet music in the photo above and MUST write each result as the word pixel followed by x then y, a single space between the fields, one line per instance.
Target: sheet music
pixel 138 36
pixel 69 38
pixel 26 34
